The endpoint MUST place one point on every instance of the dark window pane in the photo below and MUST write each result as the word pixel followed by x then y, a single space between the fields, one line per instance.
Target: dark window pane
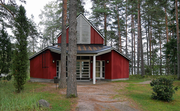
pixel 78 57
pixel 85 57
pixel 103 74
pixel 103 63
pixel 103 69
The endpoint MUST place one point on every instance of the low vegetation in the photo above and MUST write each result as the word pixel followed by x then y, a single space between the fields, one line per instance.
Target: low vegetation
pixel 141 95
pixel 163 89
pixel 27 99
pixel 135 91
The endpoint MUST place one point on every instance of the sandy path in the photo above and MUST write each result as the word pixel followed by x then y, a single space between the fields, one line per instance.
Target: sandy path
pixel 100 97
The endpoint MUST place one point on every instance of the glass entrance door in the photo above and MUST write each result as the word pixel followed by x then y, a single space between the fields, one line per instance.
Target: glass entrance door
pixel 83 70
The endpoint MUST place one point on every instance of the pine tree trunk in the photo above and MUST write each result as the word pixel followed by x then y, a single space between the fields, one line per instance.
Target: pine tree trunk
pixel 52 37
pixel 126 31
pixel 150 39
pixel 147 38
pixel 160 69
pixel 178 42
pixel 132 61
pixel 119 32
pixel 152 57
pixel 139 34
pixel 140 37
pixel 167 37
pixel 166 25
pixel 134 49
pixel 33 45
pixel 105 27
pixel 62 82
pixel 72 52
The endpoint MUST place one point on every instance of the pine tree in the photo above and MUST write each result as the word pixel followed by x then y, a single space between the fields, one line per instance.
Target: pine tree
pixel 33 36
pixel 62 82
pixel 51 21
pixel 72 52
pixel 20 59
pixel 5 52
pixel 171 55
pixel 100 15
pixel 178 41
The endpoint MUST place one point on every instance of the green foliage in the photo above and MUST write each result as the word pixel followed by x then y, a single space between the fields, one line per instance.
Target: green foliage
pixel 51 21
pixel 5 52
pixel 141 95
pixel 148 70
pixel 8 77
pixel 171 55
pixel 20 59
pixel 33 36
pixel 163 89
pixel 27 100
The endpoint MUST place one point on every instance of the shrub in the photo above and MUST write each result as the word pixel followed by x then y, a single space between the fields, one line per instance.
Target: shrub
pixel 163 89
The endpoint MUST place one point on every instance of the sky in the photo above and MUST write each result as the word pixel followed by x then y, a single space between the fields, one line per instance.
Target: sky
pixel 35 6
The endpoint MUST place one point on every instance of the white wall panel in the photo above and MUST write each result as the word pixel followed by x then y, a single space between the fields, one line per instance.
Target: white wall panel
pixel 83 31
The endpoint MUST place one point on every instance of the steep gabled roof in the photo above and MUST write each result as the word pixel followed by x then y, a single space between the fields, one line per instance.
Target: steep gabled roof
pixel 97 49
pixel 81 15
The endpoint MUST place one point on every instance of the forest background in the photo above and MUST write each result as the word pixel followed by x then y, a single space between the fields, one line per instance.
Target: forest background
pixel 143 30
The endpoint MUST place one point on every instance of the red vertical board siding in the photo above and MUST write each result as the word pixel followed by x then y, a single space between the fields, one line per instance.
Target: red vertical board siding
pixel 120 67
pixel 59 39
pixel 103 57
pixel 36 69
pixel 112 64
pixel 54 57
pixel 108 69
pixel 67 36
pixel 95 37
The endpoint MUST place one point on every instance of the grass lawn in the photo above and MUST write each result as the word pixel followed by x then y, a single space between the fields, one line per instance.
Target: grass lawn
pixel 141 94
pixel 26 100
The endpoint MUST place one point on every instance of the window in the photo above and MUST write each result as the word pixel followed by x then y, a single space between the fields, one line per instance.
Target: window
pixel 100 69
pixel 83 58
pixel 82 69
pixel 57 69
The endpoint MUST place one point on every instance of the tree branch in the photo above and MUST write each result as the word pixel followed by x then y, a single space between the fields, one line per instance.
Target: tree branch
pixel 6 8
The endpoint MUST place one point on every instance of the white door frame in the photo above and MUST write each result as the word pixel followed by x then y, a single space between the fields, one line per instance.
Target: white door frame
pixel 81 67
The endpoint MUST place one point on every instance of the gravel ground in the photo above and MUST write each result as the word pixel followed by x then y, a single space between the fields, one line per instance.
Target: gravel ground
pixel 103 96
pixel 100 97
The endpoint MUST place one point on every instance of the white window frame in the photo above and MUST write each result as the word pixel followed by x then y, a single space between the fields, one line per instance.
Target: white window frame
pixel 101 69
pixel 80 76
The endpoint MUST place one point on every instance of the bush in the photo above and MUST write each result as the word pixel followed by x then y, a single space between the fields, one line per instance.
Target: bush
pixel 163 89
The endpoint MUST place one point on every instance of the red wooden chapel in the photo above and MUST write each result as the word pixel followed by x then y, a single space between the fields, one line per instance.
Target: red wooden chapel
pixel 94 59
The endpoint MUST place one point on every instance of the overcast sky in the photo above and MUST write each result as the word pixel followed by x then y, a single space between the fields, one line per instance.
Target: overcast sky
pixel 35 6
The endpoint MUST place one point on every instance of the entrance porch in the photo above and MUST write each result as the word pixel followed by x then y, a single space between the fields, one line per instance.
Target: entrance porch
pixel 87 68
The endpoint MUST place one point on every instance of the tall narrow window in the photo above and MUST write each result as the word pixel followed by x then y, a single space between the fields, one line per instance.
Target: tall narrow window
pixel 100 69
pixel 103 69
pixel 57 68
